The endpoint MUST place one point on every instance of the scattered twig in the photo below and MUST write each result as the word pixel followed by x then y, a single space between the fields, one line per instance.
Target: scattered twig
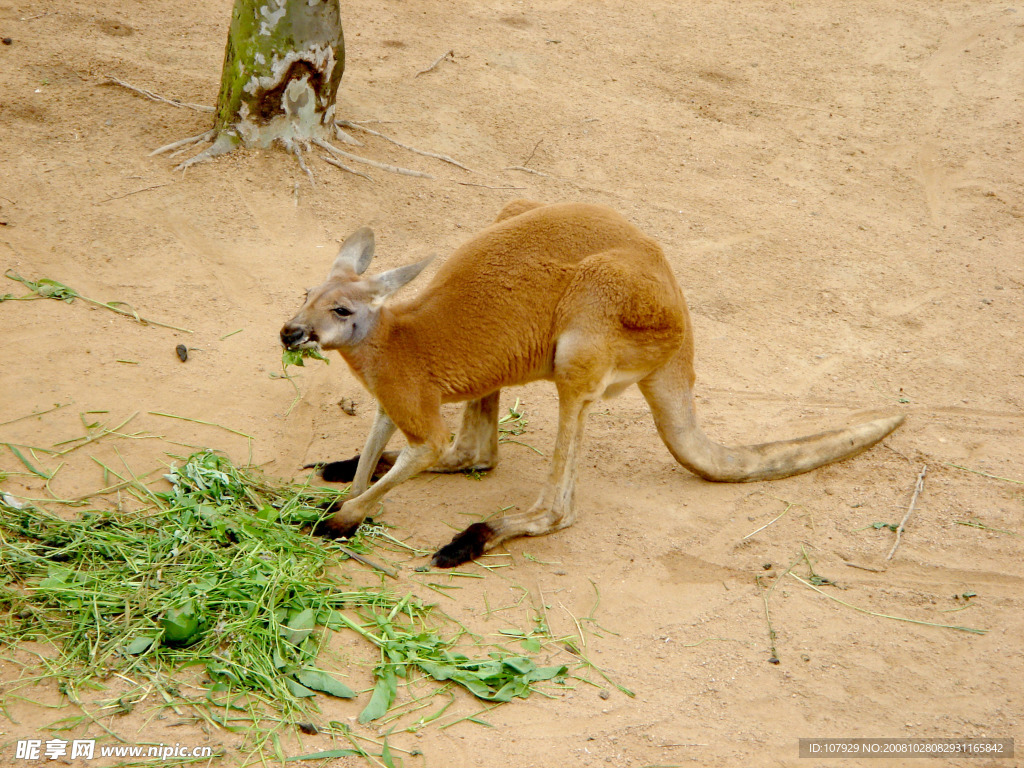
pixel 529 170
pixel 918 487
pixel 885 615
pixel 56 407
pixel 536 146
pixel 449 54
pixel 134 192
pixel 789 506
pixel 986 474
pixel 156 96
pixel 414 150
pixel 982 526
pixel 98 436
pixel 774 658
pixel 485 186
pixel 200 421
pixel 369 563
pixel 40 15
pixel 864 567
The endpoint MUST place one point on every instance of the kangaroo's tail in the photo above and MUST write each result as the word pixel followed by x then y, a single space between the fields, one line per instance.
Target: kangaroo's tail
pixel 671 399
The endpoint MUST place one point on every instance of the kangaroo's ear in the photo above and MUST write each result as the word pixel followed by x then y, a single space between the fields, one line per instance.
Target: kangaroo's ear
pixel 387 283
pixel 355 255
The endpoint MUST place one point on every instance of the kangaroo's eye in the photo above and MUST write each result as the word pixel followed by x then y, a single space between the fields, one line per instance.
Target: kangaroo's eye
pixel 342 311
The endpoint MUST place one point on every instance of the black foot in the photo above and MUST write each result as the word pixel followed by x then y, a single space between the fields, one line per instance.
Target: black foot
pixel 345 471
pixel 466 546
pixel 339 471
pixel 328 529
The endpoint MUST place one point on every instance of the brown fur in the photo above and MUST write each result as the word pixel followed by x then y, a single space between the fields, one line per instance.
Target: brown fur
pixel 573 293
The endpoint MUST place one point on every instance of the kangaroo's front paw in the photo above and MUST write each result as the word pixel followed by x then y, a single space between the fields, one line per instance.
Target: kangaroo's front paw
pixel 342 524
pixel 466 546
pixel 329 528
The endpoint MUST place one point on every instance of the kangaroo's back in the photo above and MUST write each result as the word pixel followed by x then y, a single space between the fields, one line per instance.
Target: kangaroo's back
pixel 506 284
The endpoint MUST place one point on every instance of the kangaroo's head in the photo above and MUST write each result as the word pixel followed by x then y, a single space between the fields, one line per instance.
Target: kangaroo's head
pixel 344 310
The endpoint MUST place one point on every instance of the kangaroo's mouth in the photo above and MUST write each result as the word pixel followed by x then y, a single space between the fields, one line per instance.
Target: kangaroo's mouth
pixel 297 337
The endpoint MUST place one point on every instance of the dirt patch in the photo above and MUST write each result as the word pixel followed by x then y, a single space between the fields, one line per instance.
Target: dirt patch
pixel 839 190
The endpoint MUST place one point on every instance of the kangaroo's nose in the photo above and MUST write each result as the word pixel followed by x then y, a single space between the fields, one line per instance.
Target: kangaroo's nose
pixel 292 335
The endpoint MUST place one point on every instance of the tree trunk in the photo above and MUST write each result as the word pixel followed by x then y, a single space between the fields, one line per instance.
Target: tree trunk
pixel 282 67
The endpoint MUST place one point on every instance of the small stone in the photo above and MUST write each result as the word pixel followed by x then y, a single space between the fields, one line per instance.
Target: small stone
pixel 8 40
pixel 604 694
pixel 182 351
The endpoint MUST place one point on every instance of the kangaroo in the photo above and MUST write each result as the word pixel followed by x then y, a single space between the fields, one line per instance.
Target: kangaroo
pixel 570 292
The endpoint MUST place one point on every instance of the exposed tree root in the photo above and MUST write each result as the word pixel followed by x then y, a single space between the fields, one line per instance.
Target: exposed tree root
pixel 373 163
pixel 445 158
pixel 183 143
pixel 228 140
pixel 336 164
pixel 224 143
pixel 156 96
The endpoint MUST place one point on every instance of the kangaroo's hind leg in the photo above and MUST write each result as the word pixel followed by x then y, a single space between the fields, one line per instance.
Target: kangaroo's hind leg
pixel 476 444
pixel 580 379
pixel 475 447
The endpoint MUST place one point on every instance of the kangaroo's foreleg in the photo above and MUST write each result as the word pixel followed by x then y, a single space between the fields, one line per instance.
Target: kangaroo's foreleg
pixel 426 435
pixel 381 431
pixel 412 460
pixel 476 443
pixel 372 462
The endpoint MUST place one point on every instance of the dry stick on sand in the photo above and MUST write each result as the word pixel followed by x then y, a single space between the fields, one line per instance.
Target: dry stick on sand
pixel 129 194
pixel 450 53
pixel 918 487
pixel 789 506
pixel 368 562
pixel 156 96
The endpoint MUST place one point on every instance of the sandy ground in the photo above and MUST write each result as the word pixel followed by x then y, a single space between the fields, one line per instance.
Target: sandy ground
pixel 839 189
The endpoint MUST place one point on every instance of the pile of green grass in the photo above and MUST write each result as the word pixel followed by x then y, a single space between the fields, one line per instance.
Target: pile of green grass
pixel 220 571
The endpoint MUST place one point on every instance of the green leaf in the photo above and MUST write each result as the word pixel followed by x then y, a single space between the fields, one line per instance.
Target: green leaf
pixel 27 463
pixel 520 665
pixel 300 626
pixel 385 754
pixel 298 357
pixel 297 689
pixel 383 695
pixel 180 624
pixel 321 681
pixel 545 673
pixel 531 644
pixel 139 645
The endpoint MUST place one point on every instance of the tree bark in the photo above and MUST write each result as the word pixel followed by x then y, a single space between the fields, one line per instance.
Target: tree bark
pixel 282 67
